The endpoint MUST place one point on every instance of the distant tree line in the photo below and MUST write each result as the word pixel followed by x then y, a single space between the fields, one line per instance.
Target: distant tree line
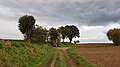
pixel 38 34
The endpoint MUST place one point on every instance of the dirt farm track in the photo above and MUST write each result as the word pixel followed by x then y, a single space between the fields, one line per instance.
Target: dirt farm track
pixel 101 56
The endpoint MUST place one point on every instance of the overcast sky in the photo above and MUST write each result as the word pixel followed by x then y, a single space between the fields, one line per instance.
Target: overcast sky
pixel 93 17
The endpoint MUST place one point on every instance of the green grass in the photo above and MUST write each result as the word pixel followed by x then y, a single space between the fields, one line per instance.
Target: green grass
pixel 80 61
pixel 21 54
pixel 66 44
pixel 60 60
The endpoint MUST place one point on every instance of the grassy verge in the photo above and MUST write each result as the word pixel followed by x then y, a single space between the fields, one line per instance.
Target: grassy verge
pixel 60 60
pixel 21 54
pixel 80 61
pixel 66 44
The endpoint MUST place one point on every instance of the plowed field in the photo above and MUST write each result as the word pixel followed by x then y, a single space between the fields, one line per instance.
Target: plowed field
pixel 94 44
pixel 101 57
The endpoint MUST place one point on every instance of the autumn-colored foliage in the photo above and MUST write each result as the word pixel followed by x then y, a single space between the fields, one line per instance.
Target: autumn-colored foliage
pixel 114 35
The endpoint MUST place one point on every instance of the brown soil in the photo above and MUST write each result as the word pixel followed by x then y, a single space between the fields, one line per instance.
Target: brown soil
pixel 101 57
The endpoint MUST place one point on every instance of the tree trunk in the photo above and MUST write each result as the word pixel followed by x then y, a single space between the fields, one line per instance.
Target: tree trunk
pixel 63 40
pixel 70 40
pixel 55 42
pixel 27 37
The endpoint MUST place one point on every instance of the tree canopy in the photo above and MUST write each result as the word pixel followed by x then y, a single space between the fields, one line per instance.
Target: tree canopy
pixel 114 35
pixel 26 23
pixel 38 34
pixel 54 36
pixel 72 31
pixel 63 31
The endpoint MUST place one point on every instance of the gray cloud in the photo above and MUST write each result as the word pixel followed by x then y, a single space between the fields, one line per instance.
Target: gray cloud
pixel 60 12
pixel 88 12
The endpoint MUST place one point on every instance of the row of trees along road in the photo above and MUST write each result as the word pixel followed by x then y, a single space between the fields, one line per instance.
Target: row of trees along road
pixel 114 35
pixel 38 34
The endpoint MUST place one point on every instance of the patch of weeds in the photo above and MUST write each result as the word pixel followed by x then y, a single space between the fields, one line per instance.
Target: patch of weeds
pixel 1 44
pixel 60 60
pixel 20 54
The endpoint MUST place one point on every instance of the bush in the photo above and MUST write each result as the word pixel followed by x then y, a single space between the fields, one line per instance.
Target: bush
pixel 39 35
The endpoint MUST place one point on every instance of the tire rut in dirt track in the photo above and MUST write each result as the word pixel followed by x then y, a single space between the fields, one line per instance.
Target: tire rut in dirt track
pixel 52 59
pixel 69 62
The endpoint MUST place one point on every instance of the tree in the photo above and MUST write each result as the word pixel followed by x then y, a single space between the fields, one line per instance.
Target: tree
pixel 114 35
pixel 54 37
pixel 72 31
pixel 38 34
pixel 63 31
pixel 26 23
